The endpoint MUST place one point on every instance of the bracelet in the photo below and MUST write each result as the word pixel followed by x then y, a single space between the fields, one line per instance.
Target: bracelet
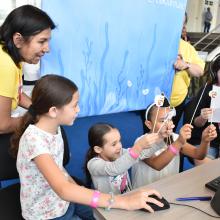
pixel 173 149
pixel 95 199
pixel 133 154
pixel 111 201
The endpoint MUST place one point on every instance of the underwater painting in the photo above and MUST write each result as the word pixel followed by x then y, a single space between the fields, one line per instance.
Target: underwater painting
pixel 120 53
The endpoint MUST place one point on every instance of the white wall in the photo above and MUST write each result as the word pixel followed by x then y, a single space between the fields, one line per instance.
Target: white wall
pixel 6 6
pixel 218 16
pixel 195 10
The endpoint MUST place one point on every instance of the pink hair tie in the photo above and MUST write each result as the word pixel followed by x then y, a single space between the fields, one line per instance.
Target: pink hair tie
pixel 133 154
pixel 95 199
pixel 173 149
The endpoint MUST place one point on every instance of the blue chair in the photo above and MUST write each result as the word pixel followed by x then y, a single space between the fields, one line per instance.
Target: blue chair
pixel 10 207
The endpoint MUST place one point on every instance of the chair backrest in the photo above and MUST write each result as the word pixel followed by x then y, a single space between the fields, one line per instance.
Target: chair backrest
pixel 7 162
pixel 66 155
pixel 10 207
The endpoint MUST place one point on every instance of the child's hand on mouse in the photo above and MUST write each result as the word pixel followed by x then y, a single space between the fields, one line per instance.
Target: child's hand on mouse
pixel 138 199
pixel 209 133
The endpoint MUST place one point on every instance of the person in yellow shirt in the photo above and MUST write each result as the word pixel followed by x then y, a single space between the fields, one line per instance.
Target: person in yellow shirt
pixel 188 64
pixel 24 37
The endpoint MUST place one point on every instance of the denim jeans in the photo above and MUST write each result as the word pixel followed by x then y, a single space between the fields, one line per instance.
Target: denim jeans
pixel 76 211
pixel 213 153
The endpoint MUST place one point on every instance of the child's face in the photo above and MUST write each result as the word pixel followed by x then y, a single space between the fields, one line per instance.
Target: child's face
pixel 162 115
pixel 111 150
pixel 68 113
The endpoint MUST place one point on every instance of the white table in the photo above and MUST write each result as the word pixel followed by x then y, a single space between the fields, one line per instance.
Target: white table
pixel 188 183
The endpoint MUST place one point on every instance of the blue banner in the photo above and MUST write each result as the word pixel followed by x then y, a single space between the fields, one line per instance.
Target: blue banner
pixel 120 53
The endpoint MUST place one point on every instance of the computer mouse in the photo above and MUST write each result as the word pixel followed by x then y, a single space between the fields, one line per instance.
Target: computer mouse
pixel 156 207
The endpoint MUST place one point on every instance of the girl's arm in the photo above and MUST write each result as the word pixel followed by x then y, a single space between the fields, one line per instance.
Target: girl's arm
pixel 100 167
pixel 200 152
pixel 164 158
pixel 8 124
pixel 70 191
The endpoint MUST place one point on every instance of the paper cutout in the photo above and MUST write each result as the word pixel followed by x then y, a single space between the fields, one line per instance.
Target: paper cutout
pixel 171 113
pixel 159 100
pixel 215 104
pixel 213 94
pixel 169 116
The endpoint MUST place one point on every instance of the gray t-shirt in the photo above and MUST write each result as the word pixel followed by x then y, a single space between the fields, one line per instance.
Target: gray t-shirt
pixel 208 16
pixel 112 176
pixel 142 174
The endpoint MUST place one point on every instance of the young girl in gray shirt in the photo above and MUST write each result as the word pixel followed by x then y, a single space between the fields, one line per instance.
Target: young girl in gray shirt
pixel 108 163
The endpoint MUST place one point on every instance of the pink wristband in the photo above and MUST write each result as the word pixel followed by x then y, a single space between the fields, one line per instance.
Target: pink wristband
pixel 95 199
pixel 173 150
pixel 133 154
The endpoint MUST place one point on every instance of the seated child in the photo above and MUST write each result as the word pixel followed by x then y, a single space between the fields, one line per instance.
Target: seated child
pixel 107 162
pixel 47 190
pixel 165 161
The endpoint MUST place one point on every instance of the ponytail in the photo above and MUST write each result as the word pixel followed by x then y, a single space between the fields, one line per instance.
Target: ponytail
pixel 95 138
pixel 29 118
pixel 90 154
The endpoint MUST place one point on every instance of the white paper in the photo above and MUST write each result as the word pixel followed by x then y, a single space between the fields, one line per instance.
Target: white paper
pixel 215 105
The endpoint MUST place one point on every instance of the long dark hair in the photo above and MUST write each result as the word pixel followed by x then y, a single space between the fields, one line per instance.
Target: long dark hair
pixel 95 138
pixel 214 67
pixel 50 90
pixel 26 20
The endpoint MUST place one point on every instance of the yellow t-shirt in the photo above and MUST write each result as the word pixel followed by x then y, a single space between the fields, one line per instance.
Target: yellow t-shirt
pixel 181 79
pixel 10 78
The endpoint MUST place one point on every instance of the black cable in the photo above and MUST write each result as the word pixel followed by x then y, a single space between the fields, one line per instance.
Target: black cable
pixel 213 216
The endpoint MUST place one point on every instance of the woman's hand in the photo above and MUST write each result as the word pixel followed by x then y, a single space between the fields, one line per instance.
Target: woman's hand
pixel 206 113
pixel 180 64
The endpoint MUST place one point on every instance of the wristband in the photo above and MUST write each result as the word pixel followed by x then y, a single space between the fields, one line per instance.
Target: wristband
pixel 95 199
pixel 173 149
pixel 111 201
pixel 133 154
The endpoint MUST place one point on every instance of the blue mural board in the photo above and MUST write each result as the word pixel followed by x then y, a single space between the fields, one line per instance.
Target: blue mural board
pixel 120 53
